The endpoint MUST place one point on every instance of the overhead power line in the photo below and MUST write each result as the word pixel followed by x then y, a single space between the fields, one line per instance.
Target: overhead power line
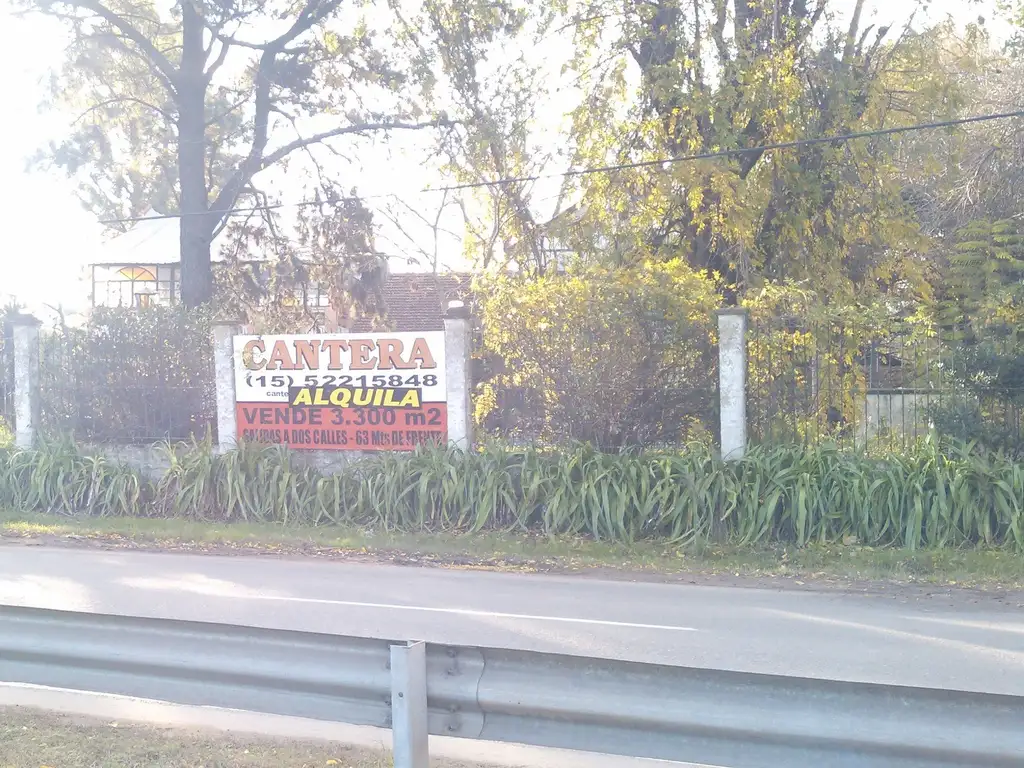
pixel 718 154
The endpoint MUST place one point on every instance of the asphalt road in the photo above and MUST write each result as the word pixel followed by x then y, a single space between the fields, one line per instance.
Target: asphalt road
pixel 934 641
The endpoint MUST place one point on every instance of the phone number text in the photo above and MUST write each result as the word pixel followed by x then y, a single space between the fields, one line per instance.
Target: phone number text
pixel 284 381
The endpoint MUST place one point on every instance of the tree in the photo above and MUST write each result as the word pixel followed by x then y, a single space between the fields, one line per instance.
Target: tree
pixel 494 82
pixel 182 112
pixel 650 81
pixel 966 187
pixel 669 79
pixel 326 260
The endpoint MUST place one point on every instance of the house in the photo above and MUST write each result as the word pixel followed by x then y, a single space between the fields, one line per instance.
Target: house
pixel 417 301
pixel 141 268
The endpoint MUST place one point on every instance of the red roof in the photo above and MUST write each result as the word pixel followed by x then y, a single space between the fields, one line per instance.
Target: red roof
pixel 417 302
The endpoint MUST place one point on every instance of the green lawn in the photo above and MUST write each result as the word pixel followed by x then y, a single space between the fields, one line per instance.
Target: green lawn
pixel 976 567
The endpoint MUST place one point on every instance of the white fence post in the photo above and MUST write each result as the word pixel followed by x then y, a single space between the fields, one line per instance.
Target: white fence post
pixel 25 332
pixel 224 375
pixel 457 347
pixel 409 733
pixel 732 381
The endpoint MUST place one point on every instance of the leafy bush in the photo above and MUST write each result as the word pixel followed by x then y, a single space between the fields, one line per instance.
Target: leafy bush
pixel 986 401
pixel 613 356
pixel 811 366
pixel 129 375
pixel 928 497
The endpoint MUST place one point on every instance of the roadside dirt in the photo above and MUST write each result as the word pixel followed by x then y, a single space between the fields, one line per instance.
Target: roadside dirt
pixel 36 739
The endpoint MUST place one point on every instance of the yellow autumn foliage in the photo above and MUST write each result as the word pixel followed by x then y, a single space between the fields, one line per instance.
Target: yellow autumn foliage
pixel 617 356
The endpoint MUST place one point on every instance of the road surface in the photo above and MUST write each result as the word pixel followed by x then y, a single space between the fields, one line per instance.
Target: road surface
pixel 936 641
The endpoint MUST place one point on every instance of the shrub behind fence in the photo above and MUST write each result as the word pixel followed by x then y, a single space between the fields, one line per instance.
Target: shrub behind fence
pixel 587 360
pixel 887 383
pixel 615 358
pixel 129 375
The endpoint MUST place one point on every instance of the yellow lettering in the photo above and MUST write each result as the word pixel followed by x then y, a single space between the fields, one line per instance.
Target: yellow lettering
pixel 319 398
pixel 362 397
pixel 303 397
pixel 411 399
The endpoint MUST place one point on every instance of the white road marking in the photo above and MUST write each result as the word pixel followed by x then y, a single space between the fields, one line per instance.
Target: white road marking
pixel 1015 658
pixel 219 588
pixel 470 612
pixel 991 626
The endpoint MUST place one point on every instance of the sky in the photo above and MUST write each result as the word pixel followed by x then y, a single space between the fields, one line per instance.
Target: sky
pixel 49 237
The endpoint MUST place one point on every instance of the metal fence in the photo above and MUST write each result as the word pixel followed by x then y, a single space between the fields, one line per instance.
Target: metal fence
pixel 608 416
pixel 147 375
pixel 706 716
pixel 882 385
pixel 654 387
pixel 128 376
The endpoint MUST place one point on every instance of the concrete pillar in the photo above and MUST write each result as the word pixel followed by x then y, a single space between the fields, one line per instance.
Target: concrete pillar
pixel 732 381
pixel 457 348
pixel 224 375
pixel 25 357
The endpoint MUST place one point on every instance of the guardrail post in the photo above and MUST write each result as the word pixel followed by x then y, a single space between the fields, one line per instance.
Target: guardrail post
pixel 224 377
pixel 457 335
pixel 25 338
pixel 732 381
pixel 409 705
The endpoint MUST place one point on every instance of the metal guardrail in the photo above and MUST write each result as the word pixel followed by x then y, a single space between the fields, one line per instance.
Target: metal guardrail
pixel 704 716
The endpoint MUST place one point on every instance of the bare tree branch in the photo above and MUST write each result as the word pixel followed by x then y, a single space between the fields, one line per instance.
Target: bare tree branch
pixel 312 14
pixel 123 100
pixel 257 161
pixel 218 62
pixel 359 128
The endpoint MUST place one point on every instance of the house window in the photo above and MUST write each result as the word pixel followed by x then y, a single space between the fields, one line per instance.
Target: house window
pixel 315 296
pixel 135 285
pixel 168 284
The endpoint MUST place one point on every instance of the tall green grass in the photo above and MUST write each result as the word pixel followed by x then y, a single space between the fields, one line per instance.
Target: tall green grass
pixel 932 496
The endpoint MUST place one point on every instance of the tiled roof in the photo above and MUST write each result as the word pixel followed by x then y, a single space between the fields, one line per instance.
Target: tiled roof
pixel 417 302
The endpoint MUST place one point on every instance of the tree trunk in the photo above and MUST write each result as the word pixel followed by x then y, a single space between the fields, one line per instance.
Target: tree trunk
pixel 196 226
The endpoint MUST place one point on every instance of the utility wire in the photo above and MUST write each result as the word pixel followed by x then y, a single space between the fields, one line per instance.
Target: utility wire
pixel 719 154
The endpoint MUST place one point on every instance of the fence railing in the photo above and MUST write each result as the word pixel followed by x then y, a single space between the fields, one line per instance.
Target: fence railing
pixel 129 412
pixel 713 717
pixel 140 376
pixel 147 377
pixel 891 384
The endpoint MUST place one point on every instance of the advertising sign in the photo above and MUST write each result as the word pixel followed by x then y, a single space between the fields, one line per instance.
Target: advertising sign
pixel 342 392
